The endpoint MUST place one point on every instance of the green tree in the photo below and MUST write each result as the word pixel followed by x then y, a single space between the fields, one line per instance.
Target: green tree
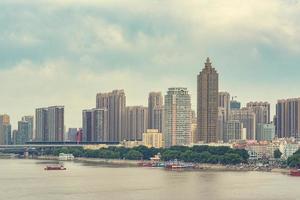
pixel 230 158
pixel 170 155
pixel 133 155
pixel 277 153
pixel 294 161
pixel 203 157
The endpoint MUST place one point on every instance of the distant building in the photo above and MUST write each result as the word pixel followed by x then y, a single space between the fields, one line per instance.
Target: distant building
pixel 152 138
pixel 235 105
pixel 5 130
pixel 177 117
pixel 24 128
pixel 14 136
pixel 49 124
pixel 224 102
pixel 41 125
pixel 95 125
pixel 233 131
pixel 265 132
pixel 115 103
pixel 247 117
pixel 262 111
pixel 158 118
pixel 221 123
pixel 72 134
pixel 288 118
pixel 136 122
pixel 207 103
pixel 155 110
pixel 30 120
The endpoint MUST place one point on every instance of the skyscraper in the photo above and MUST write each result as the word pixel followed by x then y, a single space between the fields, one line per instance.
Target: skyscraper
pixel 233 131
pixel 177 128
pixel 224 102
pixel 136 122
pixel 29 119
pixel 50 124
pixel 115 103
pixel 247 117
pixel 207 103
pixel 23 135
pixel 262 111
pixel 221 123
pixel 158 118
pixel 155 110
pixel 5 129
pixel 95 125
pixel 56 123
pixel 41 125
pixel 288 118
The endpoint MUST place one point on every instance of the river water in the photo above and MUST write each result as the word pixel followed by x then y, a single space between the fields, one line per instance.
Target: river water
pixel 27 180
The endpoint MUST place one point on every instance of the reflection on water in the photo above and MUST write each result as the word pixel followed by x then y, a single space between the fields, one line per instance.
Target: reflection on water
pixel 27 179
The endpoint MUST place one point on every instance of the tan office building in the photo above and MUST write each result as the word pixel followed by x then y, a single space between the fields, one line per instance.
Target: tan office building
pixel 153 138
pixel 207 103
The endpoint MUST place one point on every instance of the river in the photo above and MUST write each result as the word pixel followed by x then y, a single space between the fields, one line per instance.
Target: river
pixel 27 180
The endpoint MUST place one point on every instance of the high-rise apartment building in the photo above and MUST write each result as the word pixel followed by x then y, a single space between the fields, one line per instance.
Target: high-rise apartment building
pixel 221 123
pixel 177 120
pixel 224 102
pixel 207 103
pixel 41 125
pixel 23 135
pixel 29 119
pixel 155 110
pixel 265 132
pixel 247 117
pixel 50 124
pixel 5 130
pixel 233 131
pixel 95 125
pixel 115 103
pixel 262 111
pixel 288 118
pixel 56 125
pixel 136 122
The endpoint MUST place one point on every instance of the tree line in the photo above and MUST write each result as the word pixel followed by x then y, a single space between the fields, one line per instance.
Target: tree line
pixel 294 160
pixel 195 154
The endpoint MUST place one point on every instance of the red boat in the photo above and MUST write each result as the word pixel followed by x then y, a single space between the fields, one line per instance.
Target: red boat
pixel 295 172
pixel 55 167
pixel 179 165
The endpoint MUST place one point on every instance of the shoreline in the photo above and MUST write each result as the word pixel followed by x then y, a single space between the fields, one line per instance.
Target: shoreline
pixel 199 166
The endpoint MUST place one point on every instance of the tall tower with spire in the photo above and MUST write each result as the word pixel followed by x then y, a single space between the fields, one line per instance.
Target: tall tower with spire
pixel 207 103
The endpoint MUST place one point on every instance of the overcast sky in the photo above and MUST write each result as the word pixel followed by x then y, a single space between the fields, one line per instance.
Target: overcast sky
pixel 62 52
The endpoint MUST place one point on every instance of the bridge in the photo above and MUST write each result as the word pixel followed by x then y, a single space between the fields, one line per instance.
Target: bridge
pixel 34 147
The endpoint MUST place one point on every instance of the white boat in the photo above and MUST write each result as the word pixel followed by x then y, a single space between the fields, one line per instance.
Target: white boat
pixel 65 157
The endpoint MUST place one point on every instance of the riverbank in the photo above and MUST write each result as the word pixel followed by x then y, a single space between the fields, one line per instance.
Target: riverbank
pixel 199 166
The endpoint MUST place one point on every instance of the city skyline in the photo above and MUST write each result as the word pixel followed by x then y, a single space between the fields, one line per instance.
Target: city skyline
pixel 120 50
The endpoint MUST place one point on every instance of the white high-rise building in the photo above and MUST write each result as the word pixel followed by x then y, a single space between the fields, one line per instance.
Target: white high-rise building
pixel 177 120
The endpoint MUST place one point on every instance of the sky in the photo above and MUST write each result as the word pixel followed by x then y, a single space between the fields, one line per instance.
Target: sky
pixel 63 52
